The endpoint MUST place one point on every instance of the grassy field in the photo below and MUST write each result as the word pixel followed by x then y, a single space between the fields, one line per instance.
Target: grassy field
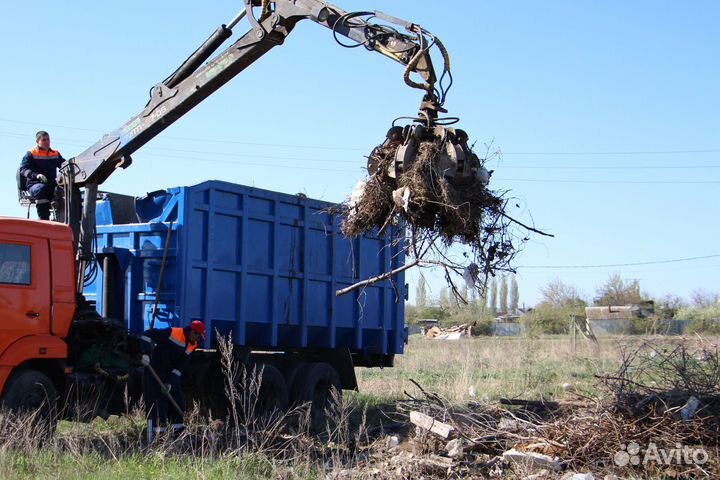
pixel 480 369
pixel 531 368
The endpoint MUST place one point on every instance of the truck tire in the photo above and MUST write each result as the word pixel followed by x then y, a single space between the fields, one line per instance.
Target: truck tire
pixel 30 391
pixel 291 375
pixel 314 384
pixel 272 397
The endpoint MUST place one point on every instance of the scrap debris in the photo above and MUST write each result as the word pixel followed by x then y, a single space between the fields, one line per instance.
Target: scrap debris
pixel 430 182
pixel 576 439
pixel 428 423
pixel 451 333
pixel 457 208
pixel 655 378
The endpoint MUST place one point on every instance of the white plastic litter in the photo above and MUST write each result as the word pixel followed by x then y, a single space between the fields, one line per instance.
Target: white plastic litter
pixel 470 275
pixel 401 197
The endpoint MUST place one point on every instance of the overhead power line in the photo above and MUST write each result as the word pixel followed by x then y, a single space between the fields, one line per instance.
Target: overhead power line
pixel 610 182
pixel 606 167
pixel 338 161
pixel 191 139
pixel 335 147
pixel 614 265
pixel 305 163
pixel 619 152
pixel 148 151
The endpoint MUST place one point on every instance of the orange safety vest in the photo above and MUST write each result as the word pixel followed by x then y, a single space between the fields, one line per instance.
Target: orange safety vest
pixel 50 154
pixel 177 336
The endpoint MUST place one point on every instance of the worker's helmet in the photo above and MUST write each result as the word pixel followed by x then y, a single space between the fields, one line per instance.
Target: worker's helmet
pixel 198 327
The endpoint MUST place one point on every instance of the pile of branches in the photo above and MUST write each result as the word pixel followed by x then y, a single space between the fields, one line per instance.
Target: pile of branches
pixel 663 401
pixel 455 210
pixel 438 212
pixel 596 438
pixel 663 395
pixel 681 378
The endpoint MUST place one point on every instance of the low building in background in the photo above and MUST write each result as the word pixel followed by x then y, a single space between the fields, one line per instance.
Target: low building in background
pixel 618 319
pixel 508 324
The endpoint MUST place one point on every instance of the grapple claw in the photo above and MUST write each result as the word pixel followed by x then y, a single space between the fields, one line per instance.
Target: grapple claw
pixel 453 158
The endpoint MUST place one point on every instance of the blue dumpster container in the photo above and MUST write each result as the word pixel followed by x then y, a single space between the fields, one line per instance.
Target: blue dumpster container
pixel 261 266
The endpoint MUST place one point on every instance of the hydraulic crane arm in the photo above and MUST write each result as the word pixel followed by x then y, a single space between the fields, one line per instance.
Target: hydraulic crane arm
pixel 195 80
pixel 191 83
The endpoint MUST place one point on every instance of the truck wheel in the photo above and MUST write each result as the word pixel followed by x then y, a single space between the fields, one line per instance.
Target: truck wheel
pixel 314 384
pixel 291 375
pixel 272 397
pixel 30 391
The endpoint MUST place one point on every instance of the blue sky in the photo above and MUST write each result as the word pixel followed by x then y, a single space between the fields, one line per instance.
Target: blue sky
pixel 574 93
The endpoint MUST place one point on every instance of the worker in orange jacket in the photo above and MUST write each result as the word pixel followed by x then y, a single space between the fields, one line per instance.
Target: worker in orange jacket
pixel 39 166
pixel 167 351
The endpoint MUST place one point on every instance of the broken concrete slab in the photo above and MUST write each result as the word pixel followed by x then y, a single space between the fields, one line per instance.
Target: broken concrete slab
pixel 532 459
pixel 454 448
pixel 577 476
pixel 427 422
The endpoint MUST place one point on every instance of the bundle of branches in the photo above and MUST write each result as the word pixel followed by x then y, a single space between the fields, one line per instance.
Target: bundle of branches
pixel 425 198
pixel 664 395
pixel 681 378
pixel 591 436
pixel 438 212
pixel 597 439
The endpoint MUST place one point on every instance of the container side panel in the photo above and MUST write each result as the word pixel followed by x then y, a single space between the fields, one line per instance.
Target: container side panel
pixel 224 296
pixel 289 212
pixel 201 197
pixel 289 301
pixel 259 295
pixel 197 245
pixel 260 241
pixel 226 246
pixel 260 206
pixel 230 201
pixel 320 218
pixel 345 306
pixel 290 253
pixel 371 306
pixel 320 261
pixel 319 297
pixel 197 284
pixel 372 257
pixel 346 260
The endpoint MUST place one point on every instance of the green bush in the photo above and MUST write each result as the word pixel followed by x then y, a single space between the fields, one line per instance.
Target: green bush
pixel 704 326
pixel 414 313
pixel 702 320
pixel 546 319
pixel 705 313
pixel 472 314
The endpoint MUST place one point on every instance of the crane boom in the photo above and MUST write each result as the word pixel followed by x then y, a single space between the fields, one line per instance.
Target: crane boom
pixel 196 79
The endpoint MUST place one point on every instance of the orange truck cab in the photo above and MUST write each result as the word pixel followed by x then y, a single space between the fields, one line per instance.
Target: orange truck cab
pixel 37 305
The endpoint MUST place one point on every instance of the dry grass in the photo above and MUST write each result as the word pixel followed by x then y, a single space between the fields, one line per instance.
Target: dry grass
pixel 496 367
pixel 250 443
pixel 582 429
pixel 354 442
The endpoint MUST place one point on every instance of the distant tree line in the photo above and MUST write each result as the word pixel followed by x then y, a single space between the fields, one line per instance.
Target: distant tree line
pixel 559 302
